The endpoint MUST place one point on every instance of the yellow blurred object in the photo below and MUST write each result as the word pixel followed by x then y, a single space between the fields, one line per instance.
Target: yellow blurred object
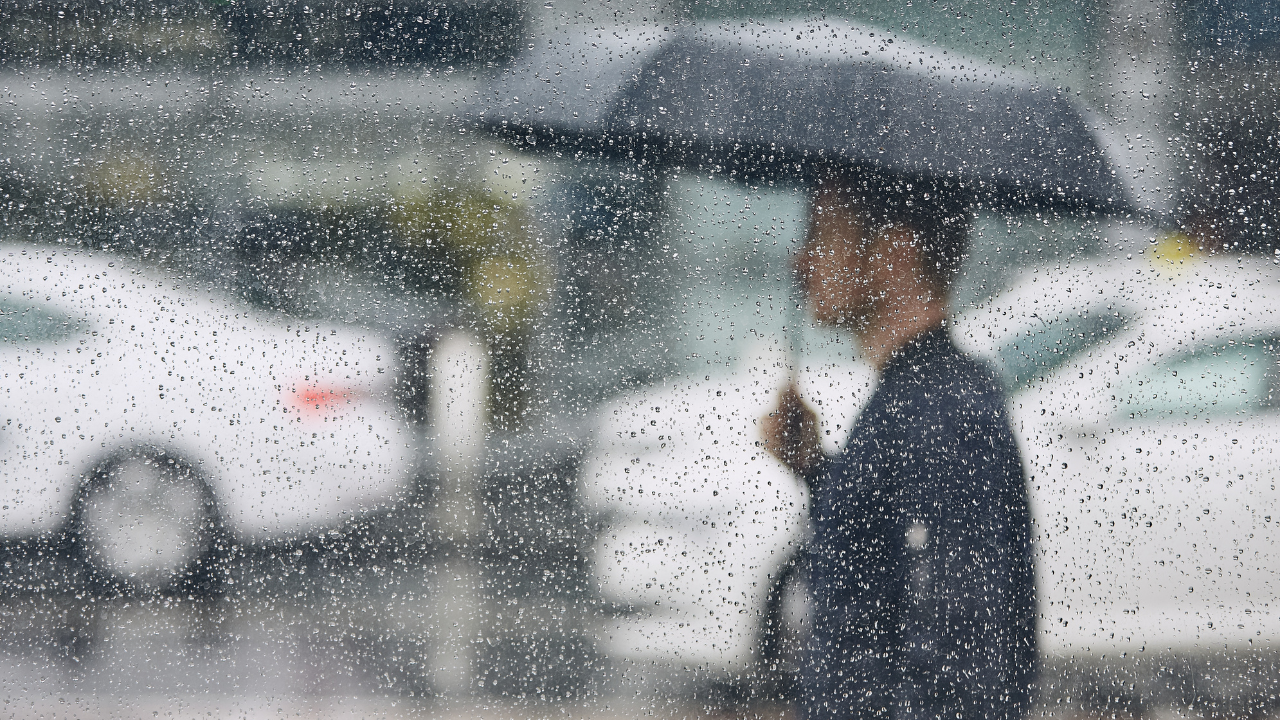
pixel 125 179
pixel 487 240
pixel 468 223
pixel 1175 249
pixel 507 290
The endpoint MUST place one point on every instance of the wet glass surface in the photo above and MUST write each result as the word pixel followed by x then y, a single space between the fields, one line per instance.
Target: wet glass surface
pixel 433 358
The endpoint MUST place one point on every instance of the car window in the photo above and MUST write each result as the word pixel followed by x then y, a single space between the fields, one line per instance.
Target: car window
pixel 26 322
pixel 1051 343
pixel 1224 380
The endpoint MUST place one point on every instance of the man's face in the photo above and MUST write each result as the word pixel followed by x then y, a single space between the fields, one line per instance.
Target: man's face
pixel 835 264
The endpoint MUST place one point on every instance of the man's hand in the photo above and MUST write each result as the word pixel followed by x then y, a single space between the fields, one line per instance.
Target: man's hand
pixel 791 433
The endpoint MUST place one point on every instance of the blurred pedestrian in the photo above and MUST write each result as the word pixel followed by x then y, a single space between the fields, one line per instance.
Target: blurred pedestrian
pixel 921 574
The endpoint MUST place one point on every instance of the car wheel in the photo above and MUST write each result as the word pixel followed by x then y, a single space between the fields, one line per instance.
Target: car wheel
pixel 145 522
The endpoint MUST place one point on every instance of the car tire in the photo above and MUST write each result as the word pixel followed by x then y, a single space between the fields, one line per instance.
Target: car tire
pixel 146 523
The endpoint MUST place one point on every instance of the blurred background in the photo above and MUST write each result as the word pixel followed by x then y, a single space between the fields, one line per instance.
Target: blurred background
pixel 563 358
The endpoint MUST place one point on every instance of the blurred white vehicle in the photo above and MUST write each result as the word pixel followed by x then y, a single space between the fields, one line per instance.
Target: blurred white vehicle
pixel 1143 393
pixel 1144 396
pixel 152 423
pixel 700 523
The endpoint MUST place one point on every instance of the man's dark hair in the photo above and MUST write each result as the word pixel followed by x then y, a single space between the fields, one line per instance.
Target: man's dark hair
pixel 937 213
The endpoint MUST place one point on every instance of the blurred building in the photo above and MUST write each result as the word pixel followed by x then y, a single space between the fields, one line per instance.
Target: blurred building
pixel 1231 117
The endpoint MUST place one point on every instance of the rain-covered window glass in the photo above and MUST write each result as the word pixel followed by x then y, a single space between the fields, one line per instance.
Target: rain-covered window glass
pixel 802 359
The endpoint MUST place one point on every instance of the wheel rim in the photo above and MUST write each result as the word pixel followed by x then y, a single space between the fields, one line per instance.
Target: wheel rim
pixel 145 520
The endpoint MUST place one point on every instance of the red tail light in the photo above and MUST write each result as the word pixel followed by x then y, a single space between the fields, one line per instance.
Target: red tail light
pixel 315 401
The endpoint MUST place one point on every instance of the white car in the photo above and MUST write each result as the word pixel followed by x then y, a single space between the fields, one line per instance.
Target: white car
pixel 153 424
pixel 1143 396
pixel 1144 399
pixel 700 523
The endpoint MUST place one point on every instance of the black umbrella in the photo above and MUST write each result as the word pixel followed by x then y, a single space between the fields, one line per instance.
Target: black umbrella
pixel 789 95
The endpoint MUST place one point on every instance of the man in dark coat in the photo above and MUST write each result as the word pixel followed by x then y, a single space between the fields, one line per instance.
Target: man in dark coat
pixel 921 574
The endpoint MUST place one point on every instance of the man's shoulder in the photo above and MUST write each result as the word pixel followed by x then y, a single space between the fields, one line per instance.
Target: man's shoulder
pixel 947 382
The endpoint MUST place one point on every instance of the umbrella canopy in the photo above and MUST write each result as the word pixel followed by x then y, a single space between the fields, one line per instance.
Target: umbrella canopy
pixel 791 93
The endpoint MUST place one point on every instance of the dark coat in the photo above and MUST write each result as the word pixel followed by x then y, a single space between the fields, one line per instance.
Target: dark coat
pixel 921 574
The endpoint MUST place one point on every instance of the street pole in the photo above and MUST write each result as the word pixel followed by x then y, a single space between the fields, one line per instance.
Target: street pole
pixel 459 413
pixel 1139 85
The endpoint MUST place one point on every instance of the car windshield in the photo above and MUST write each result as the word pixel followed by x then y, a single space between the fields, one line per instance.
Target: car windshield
pixel 1234 379
pixel 25 322
pixel 1049 344
pixel 790 359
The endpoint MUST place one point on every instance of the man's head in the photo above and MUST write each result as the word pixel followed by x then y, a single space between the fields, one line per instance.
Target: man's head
pixel 868 249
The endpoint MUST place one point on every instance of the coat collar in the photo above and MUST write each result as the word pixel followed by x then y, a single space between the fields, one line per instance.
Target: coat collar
pixel 918 351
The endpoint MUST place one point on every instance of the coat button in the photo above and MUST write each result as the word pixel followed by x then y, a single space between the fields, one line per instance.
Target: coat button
pixel 917 535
